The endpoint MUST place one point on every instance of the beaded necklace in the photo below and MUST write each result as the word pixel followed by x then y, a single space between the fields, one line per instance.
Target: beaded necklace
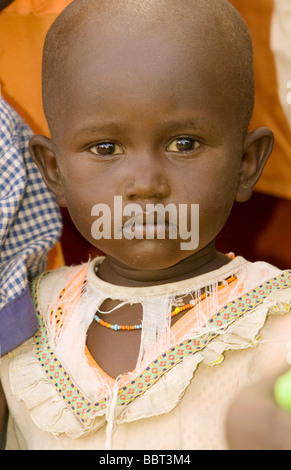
pixel 175 312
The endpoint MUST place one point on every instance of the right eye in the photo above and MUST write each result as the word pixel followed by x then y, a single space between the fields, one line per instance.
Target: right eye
pixel 106 149
pixel 183 145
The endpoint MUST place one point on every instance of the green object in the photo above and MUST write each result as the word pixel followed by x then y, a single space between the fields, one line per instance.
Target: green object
pixel 282 391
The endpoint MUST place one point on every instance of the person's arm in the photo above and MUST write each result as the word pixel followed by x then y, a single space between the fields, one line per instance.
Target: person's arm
pixel 256 422
pixel 3 418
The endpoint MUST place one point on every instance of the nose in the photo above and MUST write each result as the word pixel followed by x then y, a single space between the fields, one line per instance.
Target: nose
pixel 147 179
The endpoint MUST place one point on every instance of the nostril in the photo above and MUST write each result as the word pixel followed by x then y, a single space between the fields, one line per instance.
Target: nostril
pixel 147 195
pixel 131 197
pixel 143 188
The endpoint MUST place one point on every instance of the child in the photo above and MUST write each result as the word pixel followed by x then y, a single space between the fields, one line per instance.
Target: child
pixel 148 104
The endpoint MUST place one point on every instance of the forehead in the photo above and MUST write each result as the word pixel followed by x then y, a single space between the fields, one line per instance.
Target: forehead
pixel 107 59
pixel 150 66
pixel 148 60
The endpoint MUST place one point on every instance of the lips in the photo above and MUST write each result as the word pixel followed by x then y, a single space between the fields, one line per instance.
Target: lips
pixel 149 225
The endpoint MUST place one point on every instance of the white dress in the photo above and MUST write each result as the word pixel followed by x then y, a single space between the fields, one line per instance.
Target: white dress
pixel 179 393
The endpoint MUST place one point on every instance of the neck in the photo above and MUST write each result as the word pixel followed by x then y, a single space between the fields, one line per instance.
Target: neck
pixel 206 260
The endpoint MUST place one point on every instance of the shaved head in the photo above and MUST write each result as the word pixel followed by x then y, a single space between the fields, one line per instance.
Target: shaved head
pixel 211 30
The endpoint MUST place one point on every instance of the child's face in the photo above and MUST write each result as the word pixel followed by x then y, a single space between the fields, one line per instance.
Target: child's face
pixel 152 122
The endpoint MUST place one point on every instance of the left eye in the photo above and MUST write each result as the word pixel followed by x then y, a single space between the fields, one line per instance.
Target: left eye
pixel 183 144
pixel 106 148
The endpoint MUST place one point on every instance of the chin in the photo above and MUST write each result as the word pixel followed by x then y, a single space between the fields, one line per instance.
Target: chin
pixel 154 259
pixel 144 255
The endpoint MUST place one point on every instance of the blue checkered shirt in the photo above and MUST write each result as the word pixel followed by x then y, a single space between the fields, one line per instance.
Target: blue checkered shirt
pixel 30 225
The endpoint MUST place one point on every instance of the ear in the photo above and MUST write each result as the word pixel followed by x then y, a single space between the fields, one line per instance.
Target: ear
pixel 258 146
pixel 42 153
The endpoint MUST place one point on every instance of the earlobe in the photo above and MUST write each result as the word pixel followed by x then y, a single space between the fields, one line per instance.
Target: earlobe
pixel 41 150
pixel 258 146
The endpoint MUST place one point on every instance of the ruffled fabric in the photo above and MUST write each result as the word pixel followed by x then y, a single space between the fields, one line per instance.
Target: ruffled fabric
pixel 47 408
pixel 53 411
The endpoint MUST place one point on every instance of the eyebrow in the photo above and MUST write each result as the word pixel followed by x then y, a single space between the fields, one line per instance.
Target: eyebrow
pixel 110 126
pixel 119 127
pixel 189 123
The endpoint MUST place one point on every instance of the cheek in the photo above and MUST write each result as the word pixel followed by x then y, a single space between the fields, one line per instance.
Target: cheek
pixel 80 186
pixel 81 206
pixel 81 216
pixel 215 196
pixel 80 200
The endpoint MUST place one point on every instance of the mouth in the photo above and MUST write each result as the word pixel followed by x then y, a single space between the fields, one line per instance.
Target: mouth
pixel 149 225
